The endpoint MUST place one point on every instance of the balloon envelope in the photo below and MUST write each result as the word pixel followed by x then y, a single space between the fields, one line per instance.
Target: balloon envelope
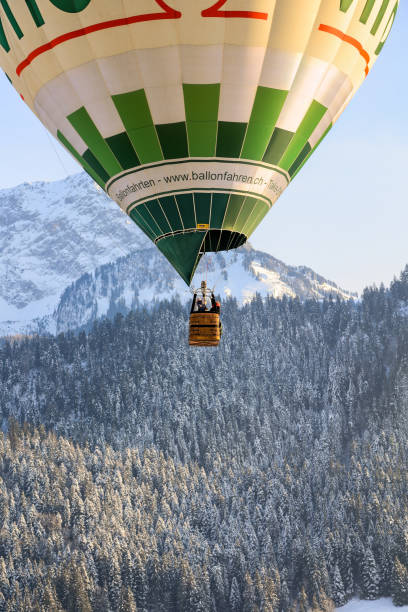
pixel 193 115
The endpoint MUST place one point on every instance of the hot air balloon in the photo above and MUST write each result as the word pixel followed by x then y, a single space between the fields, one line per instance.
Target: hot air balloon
pixel 193 115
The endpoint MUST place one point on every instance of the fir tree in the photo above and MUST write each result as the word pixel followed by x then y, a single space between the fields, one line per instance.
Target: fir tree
pixel 127 601
pixel 235 596
pixel 338 594
pixel 370 577
pixel 399 588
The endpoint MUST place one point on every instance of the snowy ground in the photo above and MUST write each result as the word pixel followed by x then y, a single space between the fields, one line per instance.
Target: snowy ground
pixel 379 605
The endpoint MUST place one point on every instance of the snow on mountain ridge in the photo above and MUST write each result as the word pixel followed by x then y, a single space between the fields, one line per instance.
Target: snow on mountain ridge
pixel 52 233
pixel 60 237
pixel 145 276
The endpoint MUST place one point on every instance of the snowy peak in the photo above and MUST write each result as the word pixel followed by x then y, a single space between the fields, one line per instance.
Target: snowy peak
pixel 52 233
pixel 278 279
pixel 67 234
pixel 145 276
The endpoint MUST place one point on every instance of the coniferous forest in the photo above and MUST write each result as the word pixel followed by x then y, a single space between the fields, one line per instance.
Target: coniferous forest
pixel 269 474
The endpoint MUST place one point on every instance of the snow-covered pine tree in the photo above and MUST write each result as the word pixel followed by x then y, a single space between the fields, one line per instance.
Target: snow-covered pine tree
pixel 235 596
pixel 399 587
pixel 369 575
pixel 338 593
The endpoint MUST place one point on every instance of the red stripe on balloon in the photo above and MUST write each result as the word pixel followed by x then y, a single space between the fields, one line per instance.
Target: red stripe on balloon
pixel 169 13
pixel 348 39
pixel 214 11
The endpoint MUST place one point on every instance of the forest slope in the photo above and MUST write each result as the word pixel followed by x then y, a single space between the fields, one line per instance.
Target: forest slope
pixel 269 471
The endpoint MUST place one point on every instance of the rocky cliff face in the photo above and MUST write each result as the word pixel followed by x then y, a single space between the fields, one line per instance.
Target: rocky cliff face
pixel 50 235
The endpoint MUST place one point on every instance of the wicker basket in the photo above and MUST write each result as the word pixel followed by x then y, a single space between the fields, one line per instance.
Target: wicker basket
pixel 204 329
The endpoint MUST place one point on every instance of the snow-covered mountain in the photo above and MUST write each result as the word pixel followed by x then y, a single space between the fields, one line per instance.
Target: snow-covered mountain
pixel 145 276
pixel 69 255
pixel 52 233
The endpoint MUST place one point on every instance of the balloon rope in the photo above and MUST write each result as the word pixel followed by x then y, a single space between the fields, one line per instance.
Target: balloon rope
pixel 48 135
pixel 206 260
pixel 56 151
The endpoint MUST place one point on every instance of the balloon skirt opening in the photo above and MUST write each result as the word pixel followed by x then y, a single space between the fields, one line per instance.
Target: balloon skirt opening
pixel 184 250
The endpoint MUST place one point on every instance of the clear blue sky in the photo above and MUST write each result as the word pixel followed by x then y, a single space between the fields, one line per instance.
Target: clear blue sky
pixel 346 213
